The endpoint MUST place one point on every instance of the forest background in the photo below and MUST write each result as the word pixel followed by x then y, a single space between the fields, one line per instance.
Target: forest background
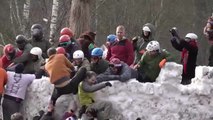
pixel 102 17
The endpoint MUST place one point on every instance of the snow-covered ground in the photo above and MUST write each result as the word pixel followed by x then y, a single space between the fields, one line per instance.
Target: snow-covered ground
pixel 166 99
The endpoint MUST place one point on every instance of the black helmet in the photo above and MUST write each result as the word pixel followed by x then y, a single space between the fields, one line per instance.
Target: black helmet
pixel 36 26
pixel 20 39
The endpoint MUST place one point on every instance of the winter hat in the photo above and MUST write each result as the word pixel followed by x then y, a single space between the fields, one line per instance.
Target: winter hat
pixel 19 68
pixel 115 62
pixel 89 35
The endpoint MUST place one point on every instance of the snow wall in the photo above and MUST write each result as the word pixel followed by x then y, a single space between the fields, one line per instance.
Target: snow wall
pixel 166 99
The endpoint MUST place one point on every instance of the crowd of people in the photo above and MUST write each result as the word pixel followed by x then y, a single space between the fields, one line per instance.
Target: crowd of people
pixel 77 66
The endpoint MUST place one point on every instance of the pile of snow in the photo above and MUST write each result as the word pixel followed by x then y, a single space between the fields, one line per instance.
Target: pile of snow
pixel 166 99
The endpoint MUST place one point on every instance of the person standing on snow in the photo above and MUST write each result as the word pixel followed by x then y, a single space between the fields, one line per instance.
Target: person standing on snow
pixel 98 64
pixel 189 50
pixel 122 48
pixel 60 70
pixel 151 62
pixel 37 39
pixel 140 42
pixel 89 107
pixel 15 90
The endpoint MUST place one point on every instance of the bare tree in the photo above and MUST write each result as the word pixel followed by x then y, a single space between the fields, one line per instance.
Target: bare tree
pixel 26 14
pixel 80 16
pixel 54 19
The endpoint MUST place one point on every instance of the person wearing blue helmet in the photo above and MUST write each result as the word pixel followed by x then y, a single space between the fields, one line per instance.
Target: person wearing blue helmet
pixel 98 65
pixel 110 39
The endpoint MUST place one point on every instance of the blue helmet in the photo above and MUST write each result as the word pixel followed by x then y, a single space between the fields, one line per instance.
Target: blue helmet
pixel 97 52
pixel 111 38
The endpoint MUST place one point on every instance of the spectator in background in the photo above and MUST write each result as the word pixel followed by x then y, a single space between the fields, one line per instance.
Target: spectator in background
pixel 87 43
pixel 67 41
pixel 110 40
pixel 25 47
pixel 15 90
pixel 93 109
pixel 208 32
pixel 122 48
pixel 117 70
pixel 140 42
pixel 151 62
pixel 98 65
pixel 189 50
pixel 10 53
pixel 37 39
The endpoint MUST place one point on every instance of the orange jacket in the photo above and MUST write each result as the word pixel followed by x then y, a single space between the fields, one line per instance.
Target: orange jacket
pixel 3 79
pixel 58 66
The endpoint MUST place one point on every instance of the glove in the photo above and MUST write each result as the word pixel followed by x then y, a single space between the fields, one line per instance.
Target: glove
pixel 108 84
pixel 142 52
pixel 162 63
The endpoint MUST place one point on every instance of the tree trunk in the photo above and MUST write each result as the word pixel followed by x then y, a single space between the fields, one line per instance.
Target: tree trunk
pixel 26 14
pixel 80 16
pixel 53 20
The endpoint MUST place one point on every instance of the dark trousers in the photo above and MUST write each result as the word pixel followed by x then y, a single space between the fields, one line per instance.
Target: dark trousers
pixel 143 78
pixel 211 56
pixel 10 107
pixel 72 87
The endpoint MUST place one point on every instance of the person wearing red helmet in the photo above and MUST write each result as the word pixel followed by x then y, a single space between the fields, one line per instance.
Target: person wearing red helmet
pixel 61 50
pixel 68 44
pixel 117 70
pixel 10 53
pixel 66 31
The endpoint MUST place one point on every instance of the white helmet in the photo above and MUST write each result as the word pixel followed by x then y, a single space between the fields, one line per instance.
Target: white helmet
pixel 36 51
pixel 78 54
pixel 146 28
pixel 191 36
pixel 152 46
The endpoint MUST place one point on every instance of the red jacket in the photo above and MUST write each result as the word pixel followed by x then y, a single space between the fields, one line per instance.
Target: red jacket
pixel 122 50
pixel 5 62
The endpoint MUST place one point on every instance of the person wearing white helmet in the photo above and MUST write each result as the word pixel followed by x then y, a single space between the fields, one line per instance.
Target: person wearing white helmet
pixel 189 50
pixel 80 61
pixel 151 62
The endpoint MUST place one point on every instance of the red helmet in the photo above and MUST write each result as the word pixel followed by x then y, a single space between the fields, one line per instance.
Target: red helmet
pixel 9 48
pixel 66 31
pixel 60 50
pixel 64 38
pixel 115 62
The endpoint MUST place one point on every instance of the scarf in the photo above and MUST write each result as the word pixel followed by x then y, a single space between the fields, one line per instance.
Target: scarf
pixel 185 54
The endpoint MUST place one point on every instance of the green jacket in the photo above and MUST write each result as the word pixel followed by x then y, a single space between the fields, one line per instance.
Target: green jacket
pixel 149 65
pixel 86 92
pixel 99 67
